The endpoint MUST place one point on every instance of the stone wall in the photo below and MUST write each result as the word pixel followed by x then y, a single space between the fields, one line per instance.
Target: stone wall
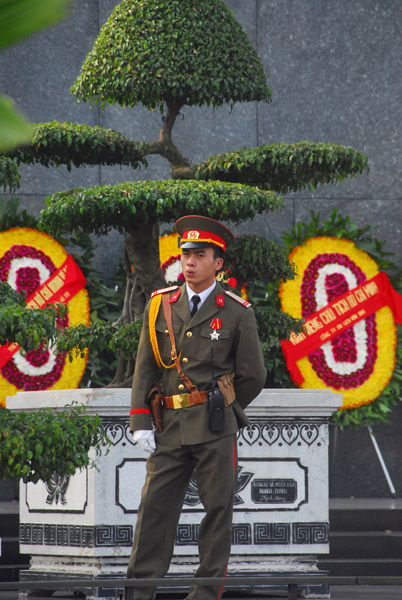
pixel 332 68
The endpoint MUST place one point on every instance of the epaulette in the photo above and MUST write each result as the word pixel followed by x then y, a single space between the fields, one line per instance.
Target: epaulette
pixel 165 290
pixel 238 299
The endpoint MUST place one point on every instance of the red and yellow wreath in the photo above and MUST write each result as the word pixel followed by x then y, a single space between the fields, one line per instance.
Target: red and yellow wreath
pixel 29 259
pixel 358 358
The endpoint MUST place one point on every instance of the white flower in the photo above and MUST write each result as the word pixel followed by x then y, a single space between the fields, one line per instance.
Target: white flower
pixel 360 333
pixel 26 368
pixel 173 271
pixel 22 263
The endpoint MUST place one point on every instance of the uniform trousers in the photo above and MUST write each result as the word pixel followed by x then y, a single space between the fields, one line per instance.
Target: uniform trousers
pixel 169 471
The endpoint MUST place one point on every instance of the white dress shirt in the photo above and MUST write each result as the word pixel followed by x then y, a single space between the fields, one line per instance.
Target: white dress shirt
pixel 202 295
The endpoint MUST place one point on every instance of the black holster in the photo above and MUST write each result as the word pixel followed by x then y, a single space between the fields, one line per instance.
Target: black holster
pixel 216 409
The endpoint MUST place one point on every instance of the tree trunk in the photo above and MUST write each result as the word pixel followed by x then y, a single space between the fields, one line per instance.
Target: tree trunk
pixel 141 246
pixel 144 275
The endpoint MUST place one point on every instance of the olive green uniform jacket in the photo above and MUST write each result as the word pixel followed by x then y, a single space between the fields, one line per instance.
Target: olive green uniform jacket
pixel 237 350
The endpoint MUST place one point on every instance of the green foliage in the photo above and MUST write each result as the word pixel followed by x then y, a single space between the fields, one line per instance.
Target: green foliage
pixel 260 264
pixel 172 51
pixel 30 328
pixel 100 336
pixel 55 144
pixel 265 260
pixel 9 175
pixel 12 216
pixel 343 227
pixel 36 445
pixel 106 305
pixel 284 167
pixel 273 326
pixel 338 226
pixel 106 298
pixel 99 209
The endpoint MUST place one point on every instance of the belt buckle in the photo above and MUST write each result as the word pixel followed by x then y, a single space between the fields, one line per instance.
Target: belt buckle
pixel 181 401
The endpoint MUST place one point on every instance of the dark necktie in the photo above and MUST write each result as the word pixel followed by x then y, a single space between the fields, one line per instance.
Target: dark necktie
pixel 195 301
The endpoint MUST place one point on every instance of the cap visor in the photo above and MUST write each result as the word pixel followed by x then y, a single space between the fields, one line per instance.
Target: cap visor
pixel 191 245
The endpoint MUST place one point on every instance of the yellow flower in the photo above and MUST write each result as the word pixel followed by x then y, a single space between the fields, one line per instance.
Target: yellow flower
pixel 168 247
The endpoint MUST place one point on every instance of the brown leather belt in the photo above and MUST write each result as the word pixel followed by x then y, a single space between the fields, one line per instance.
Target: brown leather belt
pixel 185 400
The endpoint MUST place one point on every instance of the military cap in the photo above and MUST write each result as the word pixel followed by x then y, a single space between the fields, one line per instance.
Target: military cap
pixel 200 232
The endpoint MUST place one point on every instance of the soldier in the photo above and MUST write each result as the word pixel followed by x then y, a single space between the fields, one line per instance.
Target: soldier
pixel 202 344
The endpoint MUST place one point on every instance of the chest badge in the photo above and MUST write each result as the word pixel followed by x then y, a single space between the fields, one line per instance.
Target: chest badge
pixel 216 324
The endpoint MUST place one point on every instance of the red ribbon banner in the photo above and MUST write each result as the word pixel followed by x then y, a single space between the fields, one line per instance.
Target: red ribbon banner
pixel 62 285
pixel 340 314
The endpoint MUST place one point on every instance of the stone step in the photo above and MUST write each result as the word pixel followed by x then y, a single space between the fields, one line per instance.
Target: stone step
pixel 11 572
pixel 9 519
pixel 10 550
pixel 365 537
pixel 365 514
pixel 366 520
pixel 365 544
pixel 356 567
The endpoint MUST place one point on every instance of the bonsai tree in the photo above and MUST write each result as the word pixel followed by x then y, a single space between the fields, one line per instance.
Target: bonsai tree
pixel 165 55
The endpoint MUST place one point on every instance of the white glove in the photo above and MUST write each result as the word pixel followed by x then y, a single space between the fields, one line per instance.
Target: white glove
pixel 146 439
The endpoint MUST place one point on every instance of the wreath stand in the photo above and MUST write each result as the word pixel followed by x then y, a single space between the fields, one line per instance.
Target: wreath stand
pixel 381 461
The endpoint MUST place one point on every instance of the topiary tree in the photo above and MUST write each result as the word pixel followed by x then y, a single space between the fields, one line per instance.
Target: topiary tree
pixel 168 54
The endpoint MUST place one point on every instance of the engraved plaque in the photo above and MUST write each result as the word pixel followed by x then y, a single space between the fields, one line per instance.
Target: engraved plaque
pixel 274 491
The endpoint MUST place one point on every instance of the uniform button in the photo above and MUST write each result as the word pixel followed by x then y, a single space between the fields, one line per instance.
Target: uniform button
pixel 185 360
pixel 189 334
pixel 166 330
pixel 181 387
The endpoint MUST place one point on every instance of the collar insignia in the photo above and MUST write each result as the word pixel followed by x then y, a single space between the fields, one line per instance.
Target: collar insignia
pixel 220 300
pixel 175 297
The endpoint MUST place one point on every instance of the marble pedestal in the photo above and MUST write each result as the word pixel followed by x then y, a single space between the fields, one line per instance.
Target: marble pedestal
pixel 83 526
